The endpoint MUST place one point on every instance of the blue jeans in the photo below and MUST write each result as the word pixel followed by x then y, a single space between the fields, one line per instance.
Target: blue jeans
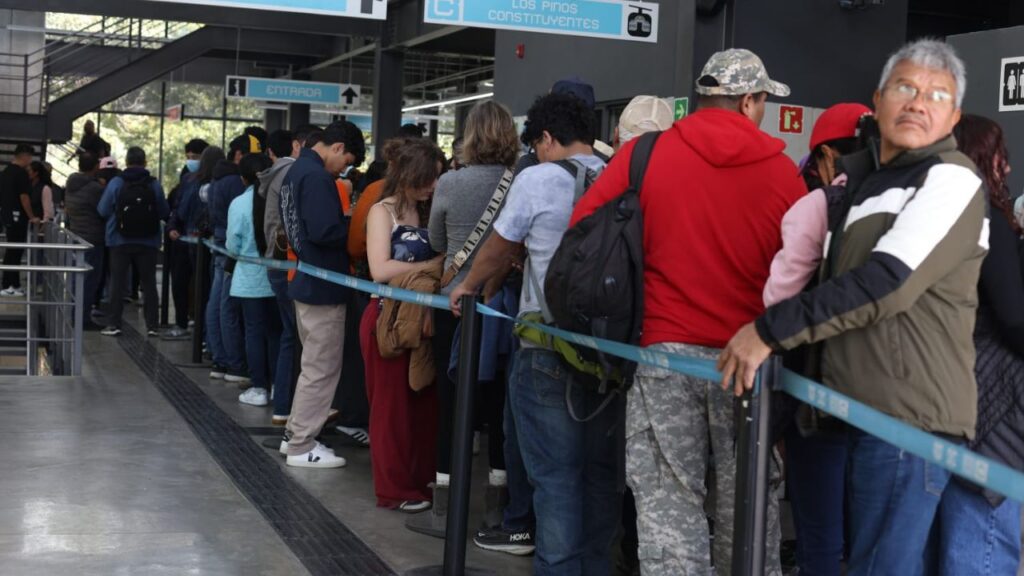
pixel 231 335
pixel 284 377
pixel 213 336
pixel 571 465
pixel 90 289
pixel 815 478
pixel 262 339
pixel 893 499
pixel 519 511
pixel 975 538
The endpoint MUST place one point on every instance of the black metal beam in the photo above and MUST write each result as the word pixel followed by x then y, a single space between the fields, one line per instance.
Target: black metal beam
pixel 214 15
pixel 87 56
pixel 23 127
pixel 387 94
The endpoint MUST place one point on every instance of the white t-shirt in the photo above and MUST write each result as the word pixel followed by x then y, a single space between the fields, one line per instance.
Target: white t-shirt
pixel 537 212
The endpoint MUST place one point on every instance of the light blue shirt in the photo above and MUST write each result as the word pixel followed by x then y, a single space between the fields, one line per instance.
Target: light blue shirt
pixel 537 213
pixel 248 280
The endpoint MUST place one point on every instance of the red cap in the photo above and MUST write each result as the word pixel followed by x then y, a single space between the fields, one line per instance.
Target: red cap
pixel 839 121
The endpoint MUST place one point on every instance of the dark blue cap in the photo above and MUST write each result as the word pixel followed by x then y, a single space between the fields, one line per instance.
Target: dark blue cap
pixel 577 87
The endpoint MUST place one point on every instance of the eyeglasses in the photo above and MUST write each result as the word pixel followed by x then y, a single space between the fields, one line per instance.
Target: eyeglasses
pixel 904 93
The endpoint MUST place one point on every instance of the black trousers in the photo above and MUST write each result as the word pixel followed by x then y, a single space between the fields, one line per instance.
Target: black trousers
pixel 144 258
pixel 490 408
pixel 350 397
pixel 181 282
pixel 12 256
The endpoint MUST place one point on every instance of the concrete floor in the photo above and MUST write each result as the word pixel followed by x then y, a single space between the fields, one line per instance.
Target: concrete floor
pixel 102 476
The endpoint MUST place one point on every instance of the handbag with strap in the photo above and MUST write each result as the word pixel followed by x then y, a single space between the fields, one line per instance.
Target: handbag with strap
pixel 480 230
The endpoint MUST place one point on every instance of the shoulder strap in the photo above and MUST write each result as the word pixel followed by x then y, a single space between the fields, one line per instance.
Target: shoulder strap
pixel 391 211
pixel 579 173
pixel 639 159
pixel 481 228
pixel 538 293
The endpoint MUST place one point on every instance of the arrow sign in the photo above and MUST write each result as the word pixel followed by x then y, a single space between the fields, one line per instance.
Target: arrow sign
pixel 287 90
pixel 350 96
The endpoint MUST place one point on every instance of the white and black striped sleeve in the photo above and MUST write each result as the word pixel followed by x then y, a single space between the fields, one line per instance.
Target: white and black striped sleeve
pixel 941 225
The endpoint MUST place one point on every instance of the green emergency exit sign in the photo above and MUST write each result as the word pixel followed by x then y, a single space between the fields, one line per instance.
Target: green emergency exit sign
pixel 682 107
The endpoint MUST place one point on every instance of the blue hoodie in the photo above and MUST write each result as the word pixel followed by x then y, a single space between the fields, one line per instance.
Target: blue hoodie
pixel 317 229
pixel 227 185
pixel 108 203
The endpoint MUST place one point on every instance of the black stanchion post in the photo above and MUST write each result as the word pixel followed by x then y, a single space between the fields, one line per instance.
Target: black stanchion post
pixel 198 310
pixel 753 456
pixel 462 440
pixel 165 281
pixel 462 449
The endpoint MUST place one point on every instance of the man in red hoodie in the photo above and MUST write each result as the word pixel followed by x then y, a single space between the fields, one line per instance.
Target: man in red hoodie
pixel 713 198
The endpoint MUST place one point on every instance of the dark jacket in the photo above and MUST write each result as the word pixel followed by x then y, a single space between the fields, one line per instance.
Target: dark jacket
pixel 108 205
pixel 227 185
pixel 14 183
pixel 898 309
pixel 999 341
pixel 271 181
pixel 316 227
pixel 83 194
pixel 185 209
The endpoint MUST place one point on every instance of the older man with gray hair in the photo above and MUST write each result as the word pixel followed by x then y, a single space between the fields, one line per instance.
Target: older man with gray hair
pixel 896 314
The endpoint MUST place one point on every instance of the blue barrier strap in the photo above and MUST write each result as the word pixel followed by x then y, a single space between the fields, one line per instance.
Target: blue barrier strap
pixel 983 471
pixel 957 459
pixel 698 368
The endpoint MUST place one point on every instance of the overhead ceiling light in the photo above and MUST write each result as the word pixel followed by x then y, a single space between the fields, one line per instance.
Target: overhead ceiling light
pixel 450 102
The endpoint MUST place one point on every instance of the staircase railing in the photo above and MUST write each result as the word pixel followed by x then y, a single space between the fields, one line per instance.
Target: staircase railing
pixel 40 85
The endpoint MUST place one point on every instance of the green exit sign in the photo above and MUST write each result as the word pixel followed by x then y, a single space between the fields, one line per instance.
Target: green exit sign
pixel 682 107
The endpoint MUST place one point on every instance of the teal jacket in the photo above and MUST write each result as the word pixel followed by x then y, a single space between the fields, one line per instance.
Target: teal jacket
pixel 248 280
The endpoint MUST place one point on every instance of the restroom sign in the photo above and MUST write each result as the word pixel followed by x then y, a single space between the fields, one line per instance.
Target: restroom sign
pixel 791 119
pixel 1011 76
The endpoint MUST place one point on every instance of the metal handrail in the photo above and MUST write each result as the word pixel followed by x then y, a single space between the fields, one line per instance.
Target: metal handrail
pixel 99 67
pixel 28 245
pixel 34 268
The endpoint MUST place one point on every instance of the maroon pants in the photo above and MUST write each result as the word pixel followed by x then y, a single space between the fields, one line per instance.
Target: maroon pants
pixel 403 423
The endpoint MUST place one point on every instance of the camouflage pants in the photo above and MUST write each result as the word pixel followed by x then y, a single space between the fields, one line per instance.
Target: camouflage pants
pixel 673 423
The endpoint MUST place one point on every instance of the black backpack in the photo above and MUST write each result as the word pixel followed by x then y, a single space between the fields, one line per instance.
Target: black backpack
pixel 137 215
pixel 594 284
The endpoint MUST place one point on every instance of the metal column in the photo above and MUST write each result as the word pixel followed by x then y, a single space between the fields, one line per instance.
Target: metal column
pixel 387 94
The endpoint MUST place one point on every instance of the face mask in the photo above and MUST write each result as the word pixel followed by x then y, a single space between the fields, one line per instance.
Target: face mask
pixel 192 165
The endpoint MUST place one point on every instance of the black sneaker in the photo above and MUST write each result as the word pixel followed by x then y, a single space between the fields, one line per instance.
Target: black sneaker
pixel 517 543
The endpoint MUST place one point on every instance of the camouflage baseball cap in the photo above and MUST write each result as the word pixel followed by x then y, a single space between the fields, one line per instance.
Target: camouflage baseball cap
pixel 735 72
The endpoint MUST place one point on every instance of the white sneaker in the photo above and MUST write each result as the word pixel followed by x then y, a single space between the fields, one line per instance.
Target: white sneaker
pixel 13 292
pixel 283 448
pixel 111 331
pixel 254 397
pixel 319 457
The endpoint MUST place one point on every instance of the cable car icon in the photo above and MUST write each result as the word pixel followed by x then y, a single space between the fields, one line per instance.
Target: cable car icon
pixel 639 24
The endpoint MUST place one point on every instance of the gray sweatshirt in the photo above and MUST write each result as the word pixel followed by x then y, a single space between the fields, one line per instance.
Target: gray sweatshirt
pixel 270 188
pixel 459 200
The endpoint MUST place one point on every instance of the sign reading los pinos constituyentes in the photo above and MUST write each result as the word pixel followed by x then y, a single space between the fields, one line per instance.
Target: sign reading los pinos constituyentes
pixel 614 19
